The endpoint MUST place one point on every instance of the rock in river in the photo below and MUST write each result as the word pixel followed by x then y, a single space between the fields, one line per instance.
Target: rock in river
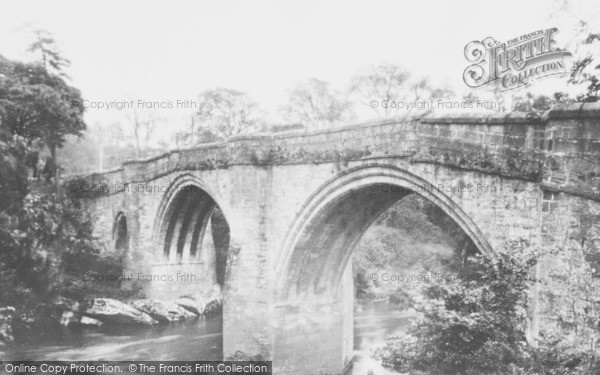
pixel 86 321
pixel 69 319
pixel 162 311
pixel 196 307
pixel 66 304
pixel 109 310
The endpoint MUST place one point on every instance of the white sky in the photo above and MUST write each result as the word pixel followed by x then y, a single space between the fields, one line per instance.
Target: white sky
pixel 169 50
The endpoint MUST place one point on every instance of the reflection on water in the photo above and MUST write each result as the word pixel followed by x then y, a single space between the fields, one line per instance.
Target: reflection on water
pixel 192 340
pixel 373 322
pixel 199 339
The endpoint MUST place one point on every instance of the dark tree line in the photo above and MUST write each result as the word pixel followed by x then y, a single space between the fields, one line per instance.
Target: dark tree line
pixel 44 233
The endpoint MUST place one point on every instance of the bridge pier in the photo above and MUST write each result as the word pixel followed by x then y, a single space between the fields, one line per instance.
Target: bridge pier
pixel 314 334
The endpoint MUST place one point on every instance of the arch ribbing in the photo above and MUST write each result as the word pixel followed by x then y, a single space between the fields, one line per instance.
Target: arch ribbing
pixel 319 244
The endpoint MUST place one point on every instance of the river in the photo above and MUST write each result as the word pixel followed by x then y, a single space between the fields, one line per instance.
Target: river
pixel 198 339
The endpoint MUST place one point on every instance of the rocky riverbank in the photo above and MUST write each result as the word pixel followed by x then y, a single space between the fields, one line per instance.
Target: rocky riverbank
pixel 96 312
pixel 91 313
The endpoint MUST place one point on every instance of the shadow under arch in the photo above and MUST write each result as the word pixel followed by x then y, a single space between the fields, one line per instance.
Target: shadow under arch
pixel 319 244
pixel 173 191
pixel 120 234
pixel 186 242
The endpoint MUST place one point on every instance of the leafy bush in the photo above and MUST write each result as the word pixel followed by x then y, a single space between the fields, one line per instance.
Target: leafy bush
pixel 50 240
pixel 476 326
pixel 472 325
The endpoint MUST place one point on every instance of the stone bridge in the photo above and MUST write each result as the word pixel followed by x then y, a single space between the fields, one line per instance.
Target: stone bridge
pixel 296 204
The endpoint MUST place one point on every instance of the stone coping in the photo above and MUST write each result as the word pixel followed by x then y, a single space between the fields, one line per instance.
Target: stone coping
pixel 481 118
pixel 574 110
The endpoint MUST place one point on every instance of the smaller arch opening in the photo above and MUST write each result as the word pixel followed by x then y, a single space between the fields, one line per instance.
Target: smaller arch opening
pixel 192 242
pixel 120 234
pixel 185 226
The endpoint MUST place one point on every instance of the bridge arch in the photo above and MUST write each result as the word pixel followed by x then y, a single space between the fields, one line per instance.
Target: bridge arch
pixel 319 244
pixel 183 240
pixel 182 184
pixel 182 217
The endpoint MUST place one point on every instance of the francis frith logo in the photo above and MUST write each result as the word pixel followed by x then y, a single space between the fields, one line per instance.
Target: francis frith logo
pixel 514 63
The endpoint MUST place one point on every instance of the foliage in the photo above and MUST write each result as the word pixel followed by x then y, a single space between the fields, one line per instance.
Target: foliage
pixel 412 237
pixel 143 124
pixel 381 82
pixel 194 137
pixel 44 234
pixel 45 45
pixel 473 325
pixel 78 188
pixel 554 356
pixel 227 112
pixel 47 248
pixel 585 71
pixel 90 154
pixel 313 104
pixel 476 326
pixel 424 90
pixel 13 173
pixel 394 83
pixel 49 235
pixel 579 20
pixel 538 104
pixel 38 105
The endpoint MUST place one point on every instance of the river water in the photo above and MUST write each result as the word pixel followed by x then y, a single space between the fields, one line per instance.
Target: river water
pixel 198 339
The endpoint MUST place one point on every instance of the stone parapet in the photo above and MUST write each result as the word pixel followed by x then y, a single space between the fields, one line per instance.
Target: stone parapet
pixel 560 148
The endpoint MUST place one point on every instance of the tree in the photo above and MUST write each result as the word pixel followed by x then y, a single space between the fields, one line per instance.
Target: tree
pixel 580 19
pixel 193 136
pixel 224 113
pixel 143 125
pixel 412 237
pixel 471 325
pixel 315 105
pixel 45 46
pixel 103 147
pixel 44 234
pixel 538 104
pixel 34 226
pixel 476 324
pixel 39 105
pixel 424 90
pixel 586 69
pixel 13 170
pixel 13 174
pixel 381 82
pixel 392 83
